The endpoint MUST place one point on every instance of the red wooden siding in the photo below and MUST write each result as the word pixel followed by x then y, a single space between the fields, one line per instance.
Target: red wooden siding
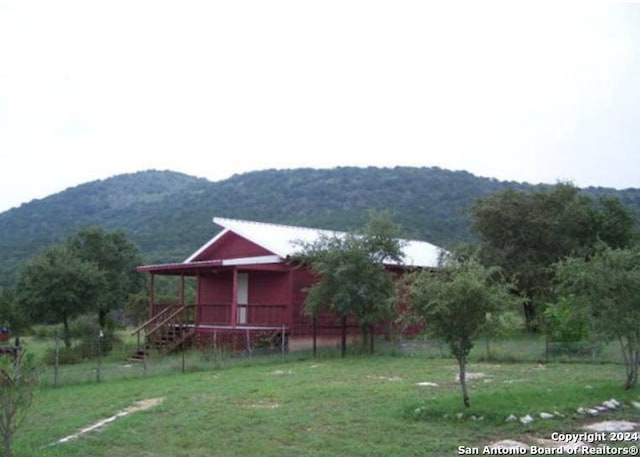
pixel 268 288
pixel 232 246
pixel 215 296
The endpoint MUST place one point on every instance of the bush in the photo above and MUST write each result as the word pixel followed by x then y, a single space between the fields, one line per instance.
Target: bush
pixel 46 331
pixel 574 349
pixel 565 322
pixel 85 332
pixel 65 356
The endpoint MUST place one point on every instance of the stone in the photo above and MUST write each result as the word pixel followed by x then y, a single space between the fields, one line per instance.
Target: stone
pixel 546 416
pixel 612 426
pixel 471 376
pixel 511 418
pixel 526 419
pixel 426 384
pixel 508 444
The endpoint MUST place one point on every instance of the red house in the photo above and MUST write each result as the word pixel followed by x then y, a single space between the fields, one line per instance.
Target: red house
pixel 249 291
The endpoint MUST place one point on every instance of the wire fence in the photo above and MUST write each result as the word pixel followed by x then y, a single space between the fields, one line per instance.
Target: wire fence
pixel 101 363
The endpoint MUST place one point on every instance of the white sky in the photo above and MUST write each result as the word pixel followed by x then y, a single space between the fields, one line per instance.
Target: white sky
pixel 535 92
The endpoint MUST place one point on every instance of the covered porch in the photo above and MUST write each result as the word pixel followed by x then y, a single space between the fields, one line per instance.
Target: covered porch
pixel 247 303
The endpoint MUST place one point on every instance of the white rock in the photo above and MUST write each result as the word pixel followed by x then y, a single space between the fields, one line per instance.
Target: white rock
pixel 546 416
pixel 593 411
pixel 609 404
pixel 581 410
pixel 612 426
pixel 281 372
pixel 426 384
pixel 526 419
pixel 508 444
pixel 511 418
pixel 471 375
pixel 636 404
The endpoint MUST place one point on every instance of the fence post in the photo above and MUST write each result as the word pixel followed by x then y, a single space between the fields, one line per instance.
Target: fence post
pixel 315 335
pixel 144 362
pixel 183 361
pixel 56 362
pixel 99 368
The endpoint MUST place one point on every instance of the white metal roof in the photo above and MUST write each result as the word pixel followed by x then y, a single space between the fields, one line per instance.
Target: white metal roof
pixel 285 240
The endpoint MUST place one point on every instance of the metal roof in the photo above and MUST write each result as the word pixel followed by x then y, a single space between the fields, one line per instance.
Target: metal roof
pixel 286 240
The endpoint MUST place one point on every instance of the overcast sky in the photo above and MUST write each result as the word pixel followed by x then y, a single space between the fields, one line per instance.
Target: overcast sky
pixel 538 92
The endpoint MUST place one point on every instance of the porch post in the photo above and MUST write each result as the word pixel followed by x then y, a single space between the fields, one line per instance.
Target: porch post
pixel 181 289
pixel 196 313
pixel 234 299
pixel 152 298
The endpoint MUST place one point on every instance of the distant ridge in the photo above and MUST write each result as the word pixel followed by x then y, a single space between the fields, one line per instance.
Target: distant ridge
pixel 169 214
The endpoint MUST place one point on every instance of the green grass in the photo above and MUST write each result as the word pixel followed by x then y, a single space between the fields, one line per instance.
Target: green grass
pixel 358 406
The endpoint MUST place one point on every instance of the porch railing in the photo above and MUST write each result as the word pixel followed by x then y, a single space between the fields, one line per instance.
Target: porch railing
pixel 252 314
pixel 168 320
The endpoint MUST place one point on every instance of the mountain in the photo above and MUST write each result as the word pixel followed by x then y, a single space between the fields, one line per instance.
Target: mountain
pixel 168 214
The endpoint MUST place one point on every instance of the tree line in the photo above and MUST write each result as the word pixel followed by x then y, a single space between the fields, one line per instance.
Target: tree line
pixel 568 260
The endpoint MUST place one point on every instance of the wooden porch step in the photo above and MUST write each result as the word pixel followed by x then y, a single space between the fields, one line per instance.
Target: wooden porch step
pixel 169 342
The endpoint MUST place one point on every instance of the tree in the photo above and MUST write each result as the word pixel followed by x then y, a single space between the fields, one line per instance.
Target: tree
pixel 117 257
pixel 456 303
pixel 58 286
pixel 525 233
pixel 18 381
pixel 607 285
pixel 352 278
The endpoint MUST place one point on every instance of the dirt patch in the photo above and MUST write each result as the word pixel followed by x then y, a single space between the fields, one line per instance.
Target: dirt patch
pixel 136 407
pixel 264 405
pixel 385 378
pixel 143 405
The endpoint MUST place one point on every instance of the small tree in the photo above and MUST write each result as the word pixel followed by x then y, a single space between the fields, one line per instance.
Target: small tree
pixel 58 286
pixel 456 302
pixel 352 278
pixel 608 286
pixel 18 381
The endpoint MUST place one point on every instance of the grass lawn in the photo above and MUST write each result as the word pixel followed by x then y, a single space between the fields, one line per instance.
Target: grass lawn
pixel 358 406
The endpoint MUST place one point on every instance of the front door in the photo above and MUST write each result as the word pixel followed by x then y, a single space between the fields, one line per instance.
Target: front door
pixel 243 297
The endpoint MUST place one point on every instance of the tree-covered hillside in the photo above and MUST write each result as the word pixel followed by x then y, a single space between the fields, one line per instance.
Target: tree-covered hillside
pixel 168 215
